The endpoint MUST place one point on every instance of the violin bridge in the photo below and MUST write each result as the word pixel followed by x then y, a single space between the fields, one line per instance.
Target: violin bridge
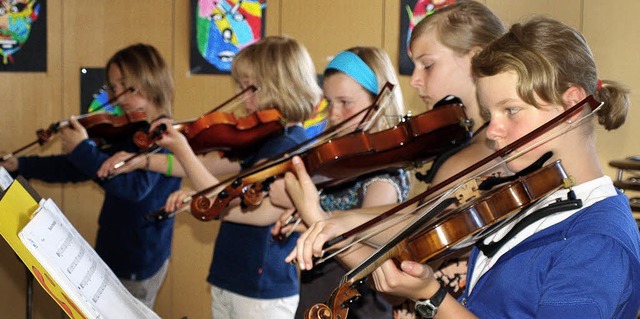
pixel 467 192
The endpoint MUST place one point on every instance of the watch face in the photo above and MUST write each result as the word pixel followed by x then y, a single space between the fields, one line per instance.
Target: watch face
pixel 425 309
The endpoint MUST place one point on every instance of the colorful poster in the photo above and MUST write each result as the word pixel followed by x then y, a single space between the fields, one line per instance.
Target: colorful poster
pixel 23 36
pixel 220 29
pixel 411 12
pixel 93 92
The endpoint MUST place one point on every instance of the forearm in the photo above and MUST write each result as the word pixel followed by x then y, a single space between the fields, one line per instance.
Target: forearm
pixel 197 173
pixel 451 308
pixel 264 214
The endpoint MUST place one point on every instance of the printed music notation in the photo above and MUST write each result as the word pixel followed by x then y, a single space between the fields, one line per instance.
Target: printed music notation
pixel 77 268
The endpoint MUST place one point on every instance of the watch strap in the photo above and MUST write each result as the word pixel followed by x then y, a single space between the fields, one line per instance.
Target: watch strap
pixel 427 308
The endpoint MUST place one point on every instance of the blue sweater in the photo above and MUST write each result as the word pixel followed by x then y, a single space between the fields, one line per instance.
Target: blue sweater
pixel 587 266
pixel 246 260
pixel 133 248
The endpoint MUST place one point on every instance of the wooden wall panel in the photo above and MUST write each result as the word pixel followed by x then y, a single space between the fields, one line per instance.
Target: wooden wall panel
pixel 328 27
pixel 568 11
pixel 30 100
pixel 612 30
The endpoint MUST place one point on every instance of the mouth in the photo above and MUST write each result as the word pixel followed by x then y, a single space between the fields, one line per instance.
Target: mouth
pixel 226 56
pixel 6 42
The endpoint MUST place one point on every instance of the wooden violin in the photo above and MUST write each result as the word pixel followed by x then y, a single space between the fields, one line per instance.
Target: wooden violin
pixel 452 230
pixel 216 130
pixel 265 171
pixel 415 139
pixel 222 131
pixel 102 127
pixel 502 153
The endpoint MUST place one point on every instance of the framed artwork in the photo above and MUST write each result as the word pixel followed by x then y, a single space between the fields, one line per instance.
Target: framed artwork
pixel 411 12
pixel 93 92
pixel 23 36
pixel 220 29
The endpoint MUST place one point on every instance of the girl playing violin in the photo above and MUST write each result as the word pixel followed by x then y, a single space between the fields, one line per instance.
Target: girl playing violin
pixel 136 251
pixel 580 263
pixel 351 83
pixel 248 276
pixel 442 46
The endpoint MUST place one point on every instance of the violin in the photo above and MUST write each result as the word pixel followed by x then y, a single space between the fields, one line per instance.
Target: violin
pixel 102 127
pixel 216 130
pixel 222 131
pixel 341 159
pixel 502 153
pixel 219 131
pixel 451 230
pixel 280 162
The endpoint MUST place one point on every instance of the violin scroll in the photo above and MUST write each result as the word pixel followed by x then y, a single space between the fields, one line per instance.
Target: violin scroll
pixel 338 305
pixel 318 311
pixel 201 207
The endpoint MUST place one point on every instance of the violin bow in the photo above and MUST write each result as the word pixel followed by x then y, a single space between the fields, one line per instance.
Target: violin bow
pixel 507 150
pixel 45 135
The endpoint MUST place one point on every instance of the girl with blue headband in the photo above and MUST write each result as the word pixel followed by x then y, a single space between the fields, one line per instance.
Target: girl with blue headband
pixel 352 80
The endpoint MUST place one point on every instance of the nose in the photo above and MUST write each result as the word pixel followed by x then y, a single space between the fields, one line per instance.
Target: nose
pixel 335 117
pixel 495 130
pixel 335 114
pixel 416 79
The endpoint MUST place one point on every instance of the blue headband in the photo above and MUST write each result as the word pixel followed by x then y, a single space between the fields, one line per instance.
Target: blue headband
pixel 352 65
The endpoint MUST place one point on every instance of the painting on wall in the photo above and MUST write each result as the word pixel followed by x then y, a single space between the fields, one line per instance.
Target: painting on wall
pixel 93 92
pixel 220 29
pixel 23 36
pixel 411 12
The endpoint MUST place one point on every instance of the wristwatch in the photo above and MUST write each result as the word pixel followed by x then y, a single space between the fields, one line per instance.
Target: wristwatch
pixel 427 308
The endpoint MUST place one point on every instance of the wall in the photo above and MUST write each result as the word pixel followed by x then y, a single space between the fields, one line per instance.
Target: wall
pixel 85 33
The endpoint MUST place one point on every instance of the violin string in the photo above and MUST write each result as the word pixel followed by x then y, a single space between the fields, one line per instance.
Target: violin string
pixel 442 196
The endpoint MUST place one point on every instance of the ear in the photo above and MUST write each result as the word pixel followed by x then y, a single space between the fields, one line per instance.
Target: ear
pixel 475 50
pixel 572 96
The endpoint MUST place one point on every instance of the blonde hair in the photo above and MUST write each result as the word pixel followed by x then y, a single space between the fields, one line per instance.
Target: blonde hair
pixel 380 63
pixel 461 27
pixel 144 69
pixel 549 58
pixel 282 69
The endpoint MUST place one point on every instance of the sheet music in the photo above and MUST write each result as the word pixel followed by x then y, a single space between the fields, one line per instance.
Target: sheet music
pixel 5 179
pixel 77 268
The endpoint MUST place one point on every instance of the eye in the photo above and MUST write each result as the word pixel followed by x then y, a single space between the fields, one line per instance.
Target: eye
pixel 18 7
pixel 512 110
pixel 238 17
pixel 346 103
pixel 216 17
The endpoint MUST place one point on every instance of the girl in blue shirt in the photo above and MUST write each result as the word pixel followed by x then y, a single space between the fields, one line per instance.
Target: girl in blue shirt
pixel 581 263
pixel 136 250
pixel 248 275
